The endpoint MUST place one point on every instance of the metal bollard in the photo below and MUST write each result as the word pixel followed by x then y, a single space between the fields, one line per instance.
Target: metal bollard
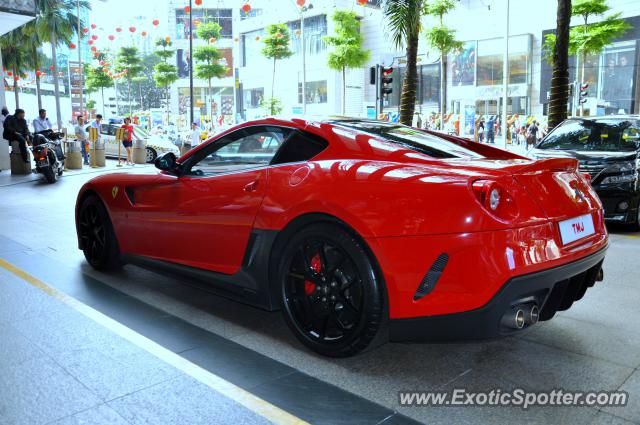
pixel 139 151
pixel 74 155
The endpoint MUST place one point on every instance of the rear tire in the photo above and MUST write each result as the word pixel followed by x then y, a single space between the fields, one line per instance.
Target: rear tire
pixel 99 243
pixel 50 175
pixel 333 299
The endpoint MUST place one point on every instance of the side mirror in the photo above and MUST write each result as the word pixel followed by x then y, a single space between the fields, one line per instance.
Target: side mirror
pixel 166 162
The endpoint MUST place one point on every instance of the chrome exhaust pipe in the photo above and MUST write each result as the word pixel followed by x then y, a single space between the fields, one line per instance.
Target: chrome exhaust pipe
pixel 514 318
pixel 534 314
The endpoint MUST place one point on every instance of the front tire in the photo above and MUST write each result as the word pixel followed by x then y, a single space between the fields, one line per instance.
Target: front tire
pixel 151 155
pixel 333 299
pixel 97 237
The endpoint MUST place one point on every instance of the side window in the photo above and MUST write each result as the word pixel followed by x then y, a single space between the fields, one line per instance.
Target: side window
pixel 244 149
pixel 300 146
pixel 104 129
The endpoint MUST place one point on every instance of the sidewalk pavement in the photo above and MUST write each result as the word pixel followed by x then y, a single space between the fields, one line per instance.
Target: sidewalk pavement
pixel 7 179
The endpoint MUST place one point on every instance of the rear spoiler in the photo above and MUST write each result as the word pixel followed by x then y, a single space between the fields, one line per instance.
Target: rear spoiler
pixel 484 150
pixel 551 164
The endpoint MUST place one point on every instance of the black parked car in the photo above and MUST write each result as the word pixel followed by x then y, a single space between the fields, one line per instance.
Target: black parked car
pixel 608 149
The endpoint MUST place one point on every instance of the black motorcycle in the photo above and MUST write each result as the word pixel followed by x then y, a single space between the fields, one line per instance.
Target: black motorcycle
pixel 47 152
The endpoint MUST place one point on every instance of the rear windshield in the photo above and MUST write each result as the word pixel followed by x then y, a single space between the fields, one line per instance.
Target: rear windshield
pixel 411 138
pixel 611 135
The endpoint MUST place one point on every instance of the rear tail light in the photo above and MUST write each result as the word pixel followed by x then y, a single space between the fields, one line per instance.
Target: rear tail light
pixel 587 177
pixel 495 199
pixel 41 154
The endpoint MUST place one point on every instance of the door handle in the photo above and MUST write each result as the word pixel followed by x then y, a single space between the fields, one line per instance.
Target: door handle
pixel 251 187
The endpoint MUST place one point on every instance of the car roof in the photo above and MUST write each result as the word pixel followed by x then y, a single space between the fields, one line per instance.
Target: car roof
pixel 607 117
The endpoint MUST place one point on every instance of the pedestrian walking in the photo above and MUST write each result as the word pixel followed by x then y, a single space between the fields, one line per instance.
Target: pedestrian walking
pixel 490 129
pixel 81 136
pixel 127 141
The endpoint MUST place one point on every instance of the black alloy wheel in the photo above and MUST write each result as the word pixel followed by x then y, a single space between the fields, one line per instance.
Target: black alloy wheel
pixel 332 298
pixel 97 237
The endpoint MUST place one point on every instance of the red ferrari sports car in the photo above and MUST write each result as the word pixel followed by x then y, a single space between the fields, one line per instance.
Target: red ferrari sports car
pixel 359 231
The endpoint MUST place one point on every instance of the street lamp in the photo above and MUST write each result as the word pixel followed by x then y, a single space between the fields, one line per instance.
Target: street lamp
pixel 80 60
pixel 191 63
pixel 303 8
pixel 505 76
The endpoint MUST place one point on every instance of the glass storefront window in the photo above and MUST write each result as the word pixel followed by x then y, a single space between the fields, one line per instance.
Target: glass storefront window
pixel 490 60
pixel 617 78
pixel 316 92
pixel 315 27
pixel 200 16
pixel 428 85
pixel 253 97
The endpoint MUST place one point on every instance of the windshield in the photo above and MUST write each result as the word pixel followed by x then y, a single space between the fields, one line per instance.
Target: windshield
pixel 411 138
pixel 610 135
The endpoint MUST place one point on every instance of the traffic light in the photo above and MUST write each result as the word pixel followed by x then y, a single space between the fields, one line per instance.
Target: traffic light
pixel 385 81
pixel 583 92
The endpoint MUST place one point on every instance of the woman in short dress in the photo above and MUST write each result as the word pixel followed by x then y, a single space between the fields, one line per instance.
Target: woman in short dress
pixel 127 141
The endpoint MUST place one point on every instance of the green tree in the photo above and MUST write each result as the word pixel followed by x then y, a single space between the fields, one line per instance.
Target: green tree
pixel 129 62
pixel 97 79
pixel 347 44
pixel 276 46
pixel 272 105
pixel 36 58
pixel 559 90
pixel 209 56
pixel 443 39
pixel 403 21
pixel 591 39
pixel 166 74
pixel 15 57
pixel 57 23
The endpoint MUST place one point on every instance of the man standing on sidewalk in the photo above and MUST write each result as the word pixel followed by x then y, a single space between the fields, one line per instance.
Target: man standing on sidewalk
pixel 81 136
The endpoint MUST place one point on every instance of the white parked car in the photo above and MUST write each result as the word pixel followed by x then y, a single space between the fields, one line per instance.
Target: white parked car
pixel 156 144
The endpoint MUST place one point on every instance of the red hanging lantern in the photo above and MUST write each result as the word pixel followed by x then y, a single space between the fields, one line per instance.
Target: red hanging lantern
pixel 187 9
pixel 198 2
pixel 9 74
pixel 90 42
pixel 246 8
pixel 94 37
pixel 72 46
pixel 155 22
pixel 300 3
pixel 362 2
pixel 85 30
pixel 132 29
pixel 94 48
pixel 51 68
pixel 16 78
pixel 111 37
pixel 38 73
pixel 118 29
pixel 93 26
pixel 102 63
pixel 143 33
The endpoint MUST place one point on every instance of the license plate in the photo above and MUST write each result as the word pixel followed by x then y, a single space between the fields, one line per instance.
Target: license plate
pixel 576 228
pixel 42 163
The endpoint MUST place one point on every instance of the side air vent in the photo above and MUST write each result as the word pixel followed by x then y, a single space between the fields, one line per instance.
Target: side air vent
pixel 130 195
pixel 431 278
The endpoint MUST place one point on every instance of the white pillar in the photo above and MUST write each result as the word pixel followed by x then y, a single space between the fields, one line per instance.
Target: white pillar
pixel 505 75
pixel 5 164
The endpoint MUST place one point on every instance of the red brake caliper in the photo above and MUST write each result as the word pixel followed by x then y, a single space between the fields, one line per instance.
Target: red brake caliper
pixel 316 265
